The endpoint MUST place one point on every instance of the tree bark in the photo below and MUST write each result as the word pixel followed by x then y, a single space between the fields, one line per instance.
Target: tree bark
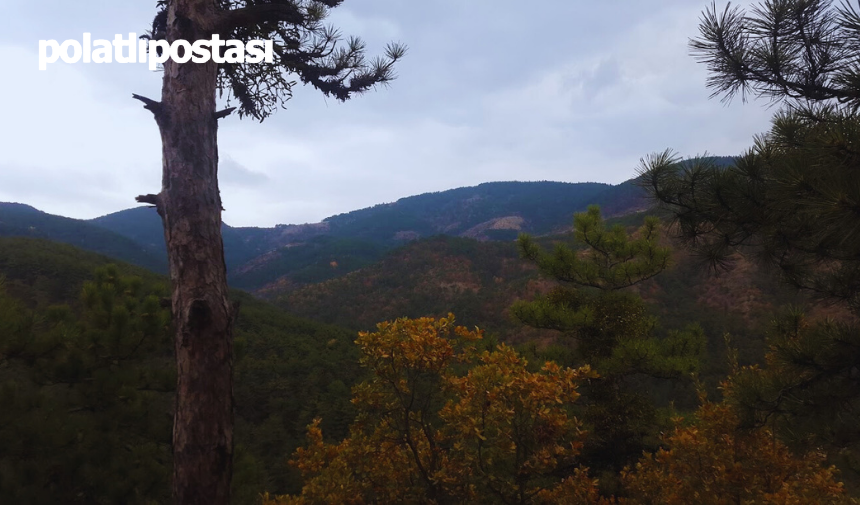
pixel 190 208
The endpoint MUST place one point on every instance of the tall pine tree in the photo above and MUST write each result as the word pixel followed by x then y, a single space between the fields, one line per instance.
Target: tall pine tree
pixel 189 203
pixel 792 202
pixel 610 330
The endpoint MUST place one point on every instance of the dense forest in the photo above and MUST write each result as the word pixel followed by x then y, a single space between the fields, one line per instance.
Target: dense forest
pixel 87 357
pixel 87 375
pixel 690 336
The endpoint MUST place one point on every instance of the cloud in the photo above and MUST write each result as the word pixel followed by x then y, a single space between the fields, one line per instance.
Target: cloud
pixel 231 173
pixel 489 90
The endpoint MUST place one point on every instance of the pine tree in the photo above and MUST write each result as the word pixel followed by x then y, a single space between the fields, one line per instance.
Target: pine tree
pixel 86 397
pixel 189 203
pixel 610 329
pixel 791 202
pixel 797 51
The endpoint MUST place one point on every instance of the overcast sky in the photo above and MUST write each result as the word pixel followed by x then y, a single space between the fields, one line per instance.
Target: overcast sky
pixel 490 90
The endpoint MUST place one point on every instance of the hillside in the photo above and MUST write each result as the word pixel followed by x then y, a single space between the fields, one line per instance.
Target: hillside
pixel 18 220
pixel 142 225
pixel 296 255
pixel 495 210
pixel 478 281
pixel 304 253
pixel 288 370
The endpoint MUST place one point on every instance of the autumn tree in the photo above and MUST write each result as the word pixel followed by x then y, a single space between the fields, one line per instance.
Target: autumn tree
pixel 790 202
pixel 715 462
pixel 610 329
pixel 441 422
pixel 189 203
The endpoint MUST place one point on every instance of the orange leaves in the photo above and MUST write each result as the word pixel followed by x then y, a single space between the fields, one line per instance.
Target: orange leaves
pixel 715 463
pixel 512 425
pixel 423 345
pixel 440 423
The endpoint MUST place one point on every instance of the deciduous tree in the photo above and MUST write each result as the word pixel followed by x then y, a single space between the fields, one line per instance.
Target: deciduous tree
pixel 715 462
pixel 440 422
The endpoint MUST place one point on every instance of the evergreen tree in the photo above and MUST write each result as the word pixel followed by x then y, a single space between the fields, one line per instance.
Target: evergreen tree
pixel 791 202
pixel 611 330
pixel 86 399
pixel 798 51
pixel 189 203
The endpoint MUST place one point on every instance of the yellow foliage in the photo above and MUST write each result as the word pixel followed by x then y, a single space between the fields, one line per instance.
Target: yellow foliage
pixel 714 463
pixel 441 423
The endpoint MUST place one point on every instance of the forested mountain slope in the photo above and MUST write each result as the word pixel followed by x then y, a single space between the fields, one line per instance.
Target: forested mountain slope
pixel 479 281
pixel 306 253
pixel 19 220
pixel 288 371
pixel 299 254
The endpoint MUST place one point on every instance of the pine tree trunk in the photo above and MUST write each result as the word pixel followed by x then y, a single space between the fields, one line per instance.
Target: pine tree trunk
pixel 190 207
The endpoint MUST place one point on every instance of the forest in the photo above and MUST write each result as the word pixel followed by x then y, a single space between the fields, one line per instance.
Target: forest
pixel 691 335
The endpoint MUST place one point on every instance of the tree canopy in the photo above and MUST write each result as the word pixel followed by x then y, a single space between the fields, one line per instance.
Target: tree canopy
pixel 796 50
pixel 305 48
pixel 791 202
pixel 611 330
pixel 440 421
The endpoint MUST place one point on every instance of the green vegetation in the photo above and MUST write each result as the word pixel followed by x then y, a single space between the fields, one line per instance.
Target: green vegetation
pixel 426 277
pixel 611 331
pixel 143 225
pixel 294 255
pixel 619 340
pixel 791 204
pixel 85 396
pixel 787 203
pixel 291 371
pixel 315 261
pixel 90 363
pixel 442 422
pixel 544 205
pixel 17 220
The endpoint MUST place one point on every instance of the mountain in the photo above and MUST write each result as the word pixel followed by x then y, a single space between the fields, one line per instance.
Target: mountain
pixel 495 210
pixel 492 211
pixel 19 220
pixel 143 225
pixel 479 280
pixel 299 254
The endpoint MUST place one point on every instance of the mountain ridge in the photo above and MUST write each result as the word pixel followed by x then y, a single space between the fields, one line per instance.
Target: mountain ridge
pixel 312 252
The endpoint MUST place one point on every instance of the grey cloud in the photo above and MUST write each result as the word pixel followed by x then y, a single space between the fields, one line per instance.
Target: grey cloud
pixel 230 172
pixel 490 90
pixel 66 192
